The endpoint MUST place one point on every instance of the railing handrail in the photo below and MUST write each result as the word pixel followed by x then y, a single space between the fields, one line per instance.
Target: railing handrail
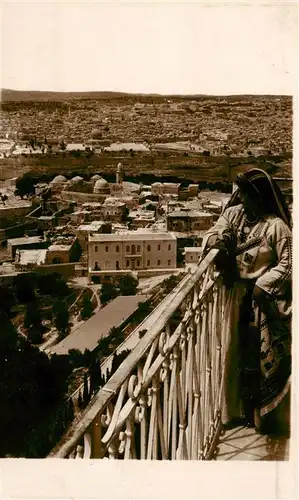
pixel 83 421
pixel 104 366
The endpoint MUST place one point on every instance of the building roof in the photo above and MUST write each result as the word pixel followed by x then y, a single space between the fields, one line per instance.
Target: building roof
pixel 25 240
pixel 131 236
pixel 101 183
pixel 127 146
pixel 193 249
pixel 33 257
pixel 189 213
pixel 99 325
pixel 58 179
pixel 59 248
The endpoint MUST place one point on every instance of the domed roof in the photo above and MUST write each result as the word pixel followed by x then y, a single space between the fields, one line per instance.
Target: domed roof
pixel 58 179
pixel 95 177
pixel 101 186
pixel 77 178
pixel 101 183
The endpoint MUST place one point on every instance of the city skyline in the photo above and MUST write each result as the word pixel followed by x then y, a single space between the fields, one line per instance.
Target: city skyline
pixel 163 48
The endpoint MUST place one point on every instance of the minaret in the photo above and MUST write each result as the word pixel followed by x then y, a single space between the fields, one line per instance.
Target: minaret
pixel 119 173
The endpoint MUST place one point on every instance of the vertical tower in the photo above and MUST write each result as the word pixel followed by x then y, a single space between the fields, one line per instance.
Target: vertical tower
pixel 119 173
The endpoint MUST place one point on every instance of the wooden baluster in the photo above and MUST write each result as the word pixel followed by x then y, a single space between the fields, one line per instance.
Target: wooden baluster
pixel 174 391
pixel 87 445
pixel 203 367
pixel 152 438
pixel 96 430
pixel 190 386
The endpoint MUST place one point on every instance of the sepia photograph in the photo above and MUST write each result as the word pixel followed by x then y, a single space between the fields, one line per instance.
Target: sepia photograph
pixel 146 185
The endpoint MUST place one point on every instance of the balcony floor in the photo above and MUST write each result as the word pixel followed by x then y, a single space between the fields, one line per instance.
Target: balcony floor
pixel 242 443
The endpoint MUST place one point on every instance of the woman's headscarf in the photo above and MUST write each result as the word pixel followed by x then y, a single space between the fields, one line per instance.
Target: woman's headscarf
pixel 261 187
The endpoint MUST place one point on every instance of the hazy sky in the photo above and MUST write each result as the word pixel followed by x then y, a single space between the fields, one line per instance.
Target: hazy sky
pixel 163 47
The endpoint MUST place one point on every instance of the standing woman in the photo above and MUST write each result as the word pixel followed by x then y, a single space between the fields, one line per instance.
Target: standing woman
pixel 255 241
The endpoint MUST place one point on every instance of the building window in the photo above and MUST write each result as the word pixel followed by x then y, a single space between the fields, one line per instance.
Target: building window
pixel 133 249
pixel 127 249
pixel 159 247
pixel 117 248
pixel 148 248
pixel 128 263
pixel 158 262
pixel 138 263
pixel 96 248
pixel 117 264
pixel 138 248
pixel 148 262
pixel 169 262
pixel 96 266
pixel 107 264
pixel 106 248
pixel 169 246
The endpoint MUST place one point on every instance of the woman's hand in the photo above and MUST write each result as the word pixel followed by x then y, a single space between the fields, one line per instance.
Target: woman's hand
pixel 258 295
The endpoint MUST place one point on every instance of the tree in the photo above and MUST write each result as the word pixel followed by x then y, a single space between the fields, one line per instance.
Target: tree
pixel 107 293
pixel 31 385
pixel 25 185
pixel 25 288
pixel 76 358
pixel 61 318
pixel 87 308
pixel 51 284
pixel 33 323
pixel 128 285
pixel 86 395
pixel 7 299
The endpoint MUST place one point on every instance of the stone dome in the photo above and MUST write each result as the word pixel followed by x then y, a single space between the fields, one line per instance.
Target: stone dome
pixel 76 179
pixel 58 179
pixel 100 186
pixel 95 178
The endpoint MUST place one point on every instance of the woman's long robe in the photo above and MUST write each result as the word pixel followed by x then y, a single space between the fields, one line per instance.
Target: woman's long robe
pixel 264 258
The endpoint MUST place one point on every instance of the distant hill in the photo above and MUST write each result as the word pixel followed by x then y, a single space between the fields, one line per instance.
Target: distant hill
pixel 35 95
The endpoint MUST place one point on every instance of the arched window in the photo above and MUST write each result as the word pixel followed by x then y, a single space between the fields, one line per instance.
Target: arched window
pixel 96 248
pixel 159 247
pixel 127 249
pixel 106 248
pixel 169 262
pixel 138 248
pixel 96 266
pixel 138 263
pixel 133 249
pixel 169 246
pixel 158 262
pixel 117 248
pixel 128 263
pixel 148 248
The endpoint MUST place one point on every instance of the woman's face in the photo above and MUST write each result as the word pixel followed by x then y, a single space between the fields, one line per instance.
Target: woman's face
pixel 250 205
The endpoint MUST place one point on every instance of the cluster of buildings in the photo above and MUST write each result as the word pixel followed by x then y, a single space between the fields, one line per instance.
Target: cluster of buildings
pixel 257 125
pixel 102 230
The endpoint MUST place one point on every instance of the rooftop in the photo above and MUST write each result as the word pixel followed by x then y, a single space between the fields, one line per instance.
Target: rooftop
pixel 99 325
pixel 131 236
pixel 188 213
pixel 25 240
pixel 27 257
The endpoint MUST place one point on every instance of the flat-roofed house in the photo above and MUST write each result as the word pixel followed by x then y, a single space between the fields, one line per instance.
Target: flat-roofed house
pixel 131 251
pixel 188 221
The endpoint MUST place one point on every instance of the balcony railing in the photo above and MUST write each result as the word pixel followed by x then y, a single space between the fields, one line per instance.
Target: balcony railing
pixel 164 400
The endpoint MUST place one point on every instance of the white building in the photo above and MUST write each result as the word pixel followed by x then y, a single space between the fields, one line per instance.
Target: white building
pixel 131 251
